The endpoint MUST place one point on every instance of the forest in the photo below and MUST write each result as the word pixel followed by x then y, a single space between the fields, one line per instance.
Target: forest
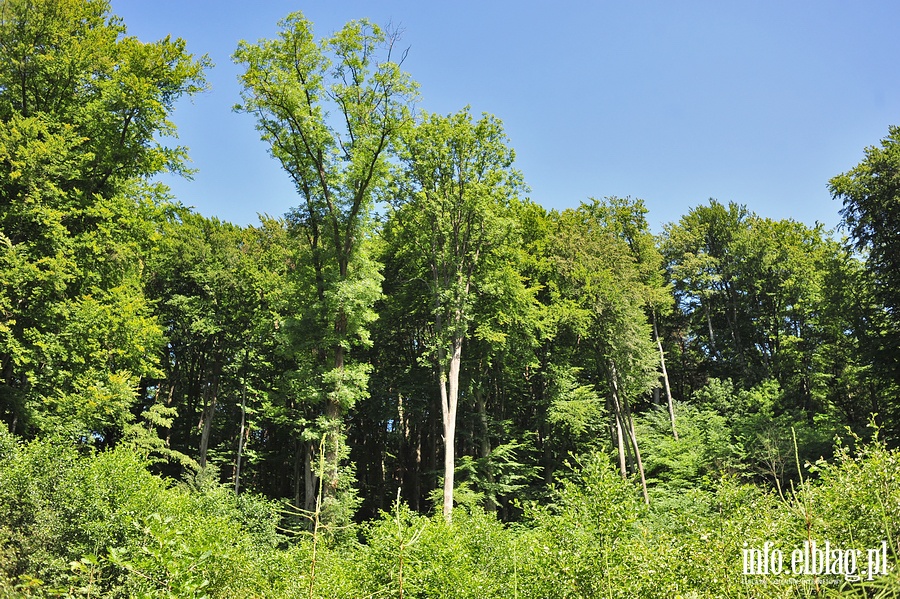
pixel 418 382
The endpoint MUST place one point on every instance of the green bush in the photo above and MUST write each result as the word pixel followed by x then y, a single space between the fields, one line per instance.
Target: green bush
pixel 98 523
pixel 703 450
pixel 79 523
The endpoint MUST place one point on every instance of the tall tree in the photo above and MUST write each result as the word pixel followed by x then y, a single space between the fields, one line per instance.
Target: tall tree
pixel 204 279
pixel 596 358
pixel 700 257
pixel 601 289
pixel 453 224
pixel 871 212
pixel 774 298
pixel 81 107
pixel 330 111
pixel 626 218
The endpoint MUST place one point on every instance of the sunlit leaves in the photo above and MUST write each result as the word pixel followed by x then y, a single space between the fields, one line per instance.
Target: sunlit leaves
pixel 871 212
pixel 81 107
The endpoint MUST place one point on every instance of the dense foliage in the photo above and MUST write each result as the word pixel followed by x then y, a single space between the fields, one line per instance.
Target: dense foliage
pixel 417 382
pixel 99 524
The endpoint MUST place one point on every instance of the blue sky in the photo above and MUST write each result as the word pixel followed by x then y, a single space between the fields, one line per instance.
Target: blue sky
pixel 673 102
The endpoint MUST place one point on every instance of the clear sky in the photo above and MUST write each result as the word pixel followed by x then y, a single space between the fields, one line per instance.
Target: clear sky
pixel 674 102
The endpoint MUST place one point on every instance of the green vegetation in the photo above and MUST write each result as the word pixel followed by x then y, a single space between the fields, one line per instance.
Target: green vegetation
pixel 98 524
pixel 417 383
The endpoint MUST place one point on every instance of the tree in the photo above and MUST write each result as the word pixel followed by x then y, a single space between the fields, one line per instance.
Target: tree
pixel 81 107
pixel 596 340
pixel 871 212
pixel 765 295
pixel 702 266
pixel 626 218
pixel 330 112
pixel 608 290
pixel 203 282
pixel 452 222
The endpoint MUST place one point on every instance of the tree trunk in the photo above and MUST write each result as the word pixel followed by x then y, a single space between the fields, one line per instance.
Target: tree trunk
pixel 637 456
pixel 309 477
pixel 299 458
pixel 665 376
pixel 334 416
pixel 712 335
pixel 170 396
pixel 240 447
pixel 626 420
pixel 619 437
pixel 449 400
pixel 417 476
pixel 210 392
pixel 485 447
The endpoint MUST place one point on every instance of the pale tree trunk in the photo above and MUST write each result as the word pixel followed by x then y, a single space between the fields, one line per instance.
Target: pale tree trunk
pixel 240 447
pixel 626 423
pixel 449 400
pixel 637 456
pixel 403 454
pixel 417 476
pixel 169 399
pixel 620 444
pixel 665 376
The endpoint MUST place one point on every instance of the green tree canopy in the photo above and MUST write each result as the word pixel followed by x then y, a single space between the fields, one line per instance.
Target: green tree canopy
pixel 453 227
pixel 871 212
pixel 81 108
pixel 331 111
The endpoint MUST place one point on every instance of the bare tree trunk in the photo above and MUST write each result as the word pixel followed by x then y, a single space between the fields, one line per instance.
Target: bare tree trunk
pixel 619 436
pixel 665 376
pixel 449 401
pixel 637 455
pixel 626 420
pixel 299 458
pixel 171 392
pixel 404 450
pixel 206 429
pixel 240 447
pixel 309 477
pixel 417 477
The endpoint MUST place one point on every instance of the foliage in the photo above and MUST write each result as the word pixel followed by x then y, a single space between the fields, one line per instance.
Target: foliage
pixel 705 448
pixel 99 524
pixel 197 409
pixel 871 212
pixel 330 112
pixel 81 106
pixel 102 522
